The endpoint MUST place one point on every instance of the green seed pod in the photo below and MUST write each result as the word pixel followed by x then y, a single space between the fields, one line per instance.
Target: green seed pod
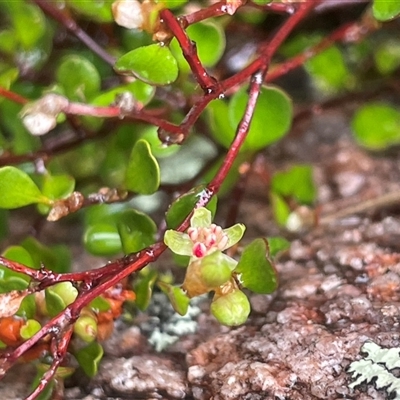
pixel 86 328
pixel 231 309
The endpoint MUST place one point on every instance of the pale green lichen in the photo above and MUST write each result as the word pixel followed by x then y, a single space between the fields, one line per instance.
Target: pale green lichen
pixel 376 367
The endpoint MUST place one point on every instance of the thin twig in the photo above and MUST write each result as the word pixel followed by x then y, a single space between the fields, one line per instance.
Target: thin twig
pixel 70 24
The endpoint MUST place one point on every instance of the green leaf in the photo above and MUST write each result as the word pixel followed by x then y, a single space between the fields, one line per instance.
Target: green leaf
pixel 296 182
pixel 89 358
pixel 27 309
pixel 54 303
pixel 277 244
pixel 30 327
pixel 231 309
pixel 56 187
pixel 12 283
pixel 8 77
pixel 255 271
pixel 159 150
pixel 153 64
pixel 221 129
pixel 172 3
pixel 102 239
pixel 177 297
pixel 28 21
pixel 328 78
pixel 210 44
pixel 144 289
pixel 99 304
pixel 143 173
pixel 136 229
pixel 184 204
pixel 384 10
pixel 387 56
pixel 376 126
pixel 83 83
pixel 280 209
pixel 271 120
pixel 20 255
pixel 17 189
pixel 66 291
pixel 95 10
pixel 56 258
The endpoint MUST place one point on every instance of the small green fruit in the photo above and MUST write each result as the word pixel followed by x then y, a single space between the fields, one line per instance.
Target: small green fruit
pixel 231 309
pixel 214 275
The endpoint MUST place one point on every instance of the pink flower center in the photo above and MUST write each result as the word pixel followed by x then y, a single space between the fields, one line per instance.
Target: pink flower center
pixel 207 240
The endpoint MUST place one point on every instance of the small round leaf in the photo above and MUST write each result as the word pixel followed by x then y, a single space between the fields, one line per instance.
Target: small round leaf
pixel 255 271
pixel 271 120
pixel 377 126
pixel 78 77
pixel 177 297
pixel 153 64
pixel 89 358
pixel 102 239
pixel 17 189
pixel 143 173
pixel 384 10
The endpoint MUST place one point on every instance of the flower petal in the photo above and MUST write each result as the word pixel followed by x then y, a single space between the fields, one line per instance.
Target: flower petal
pixel 178 242
pixel 201 218
pixel 234 233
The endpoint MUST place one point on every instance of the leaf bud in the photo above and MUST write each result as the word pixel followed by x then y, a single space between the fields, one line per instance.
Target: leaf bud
pixel 128 13
pixel 86 327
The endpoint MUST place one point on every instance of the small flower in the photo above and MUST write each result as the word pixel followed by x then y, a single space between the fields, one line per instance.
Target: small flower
pixel 203 237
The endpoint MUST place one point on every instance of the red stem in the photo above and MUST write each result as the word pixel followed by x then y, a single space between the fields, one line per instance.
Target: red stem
pixel 214 10
pixel 189 51
pixel 59 352
pixel 12 96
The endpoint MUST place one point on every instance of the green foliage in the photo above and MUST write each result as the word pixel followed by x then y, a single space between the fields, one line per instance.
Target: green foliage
pixel 83 83
pixel 153 64
pixel 376 126
pixel 255 270
pixel 182 206
pixel 143 173
pixel 18 189
pixel 89 358
pixel 384 10
pixel 95 10
pixel 210 44
pixel 387 56
pixel 136 229
pixel 296 182
pixel 102 239
pixel 271 121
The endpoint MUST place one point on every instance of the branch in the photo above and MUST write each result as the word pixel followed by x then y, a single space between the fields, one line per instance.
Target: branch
pixel 70 24
pixel 189 51
pixel 59 350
